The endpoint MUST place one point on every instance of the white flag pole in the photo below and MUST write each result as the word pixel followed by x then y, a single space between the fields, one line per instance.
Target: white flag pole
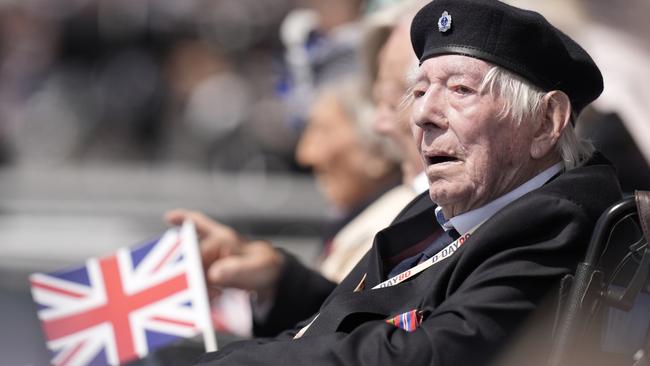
pixel 197 284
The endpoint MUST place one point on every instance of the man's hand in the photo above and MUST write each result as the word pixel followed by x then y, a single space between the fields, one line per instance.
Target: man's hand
pixel 229 259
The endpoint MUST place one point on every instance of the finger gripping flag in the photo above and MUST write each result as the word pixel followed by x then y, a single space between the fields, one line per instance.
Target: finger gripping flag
pixel 118 308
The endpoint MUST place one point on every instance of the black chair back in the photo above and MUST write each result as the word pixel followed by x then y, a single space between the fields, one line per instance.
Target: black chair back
pixel 605 319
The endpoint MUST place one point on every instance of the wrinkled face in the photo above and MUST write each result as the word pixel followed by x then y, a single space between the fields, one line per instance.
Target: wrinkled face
pixel 471 154
pixel 330 146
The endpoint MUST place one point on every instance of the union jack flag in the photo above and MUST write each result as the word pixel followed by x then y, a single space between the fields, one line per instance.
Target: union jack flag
pixel 120 307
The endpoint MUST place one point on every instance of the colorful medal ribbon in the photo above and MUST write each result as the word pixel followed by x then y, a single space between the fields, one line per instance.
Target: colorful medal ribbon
pixel 443 254
pixel 409 321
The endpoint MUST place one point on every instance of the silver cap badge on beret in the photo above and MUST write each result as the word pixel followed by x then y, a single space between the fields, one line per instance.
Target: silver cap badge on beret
pixel 444 23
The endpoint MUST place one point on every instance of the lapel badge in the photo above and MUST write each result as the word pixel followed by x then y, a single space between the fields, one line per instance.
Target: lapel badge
pixel 362 284
pixel 444 23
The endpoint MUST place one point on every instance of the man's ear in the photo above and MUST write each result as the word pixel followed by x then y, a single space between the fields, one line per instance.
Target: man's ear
pixel 555 117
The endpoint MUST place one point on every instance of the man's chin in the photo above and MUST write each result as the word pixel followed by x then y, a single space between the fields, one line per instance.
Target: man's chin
pixel 443 196
pixel 438 197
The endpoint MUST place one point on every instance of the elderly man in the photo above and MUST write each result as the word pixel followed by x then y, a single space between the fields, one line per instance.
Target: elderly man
pixel 515 194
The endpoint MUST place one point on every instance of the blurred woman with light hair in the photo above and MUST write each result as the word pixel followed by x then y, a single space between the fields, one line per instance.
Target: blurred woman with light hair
pixel 354 168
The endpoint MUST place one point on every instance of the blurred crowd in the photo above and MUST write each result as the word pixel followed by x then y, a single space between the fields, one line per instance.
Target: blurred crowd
pixel 216 84
pixel 193 82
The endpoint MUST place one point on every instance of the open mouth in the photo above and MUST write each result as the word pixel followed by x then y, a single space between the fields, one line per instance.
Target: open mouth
pixel 438 159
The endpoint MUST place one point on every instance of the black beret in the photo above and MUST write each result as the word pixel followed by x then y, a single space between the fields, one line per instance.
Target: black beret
pixel 521 41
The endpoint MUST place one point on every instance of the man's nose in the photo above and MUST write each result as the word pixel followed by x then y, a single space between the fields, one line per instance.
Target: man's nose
pixel 429 110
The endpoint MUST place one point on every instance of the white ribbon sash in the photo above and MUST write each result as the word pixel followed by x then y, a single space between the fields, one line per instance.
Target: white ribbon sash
pixel 443 254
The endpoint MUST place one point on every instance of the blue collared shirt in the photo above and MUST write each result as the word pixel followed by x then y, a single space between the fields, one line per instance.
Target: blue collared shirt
pixel 467 220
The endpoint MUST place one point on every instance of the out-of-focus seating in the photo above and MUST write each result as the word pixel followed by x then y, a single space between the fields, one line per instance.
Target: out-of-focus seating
pixel 605 320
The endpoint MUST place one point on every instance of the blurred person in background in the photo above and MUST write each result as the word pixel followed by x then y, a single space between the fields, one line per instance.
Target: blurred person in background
pixel 97 82
pixel 393 58
pixel 198 129
pixel 353 239
pixel 387 59
pixel 352 167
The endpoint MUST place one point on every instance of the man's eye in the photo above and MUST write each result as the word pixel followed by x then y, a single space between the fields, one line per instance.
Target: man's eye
pixel 462 89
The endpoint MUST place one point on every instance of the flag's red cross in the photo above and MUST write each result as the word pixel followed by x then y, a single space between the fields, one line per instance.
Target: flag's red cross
pixel 116 310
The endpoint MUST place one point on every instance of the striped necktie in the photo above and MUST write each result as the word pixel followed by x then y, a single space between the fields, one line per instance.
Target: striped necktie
pixel 437 245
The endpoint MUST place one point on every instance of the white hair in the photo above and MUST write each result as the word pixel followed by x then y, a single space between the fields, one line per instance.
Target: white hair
pixel 523 102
